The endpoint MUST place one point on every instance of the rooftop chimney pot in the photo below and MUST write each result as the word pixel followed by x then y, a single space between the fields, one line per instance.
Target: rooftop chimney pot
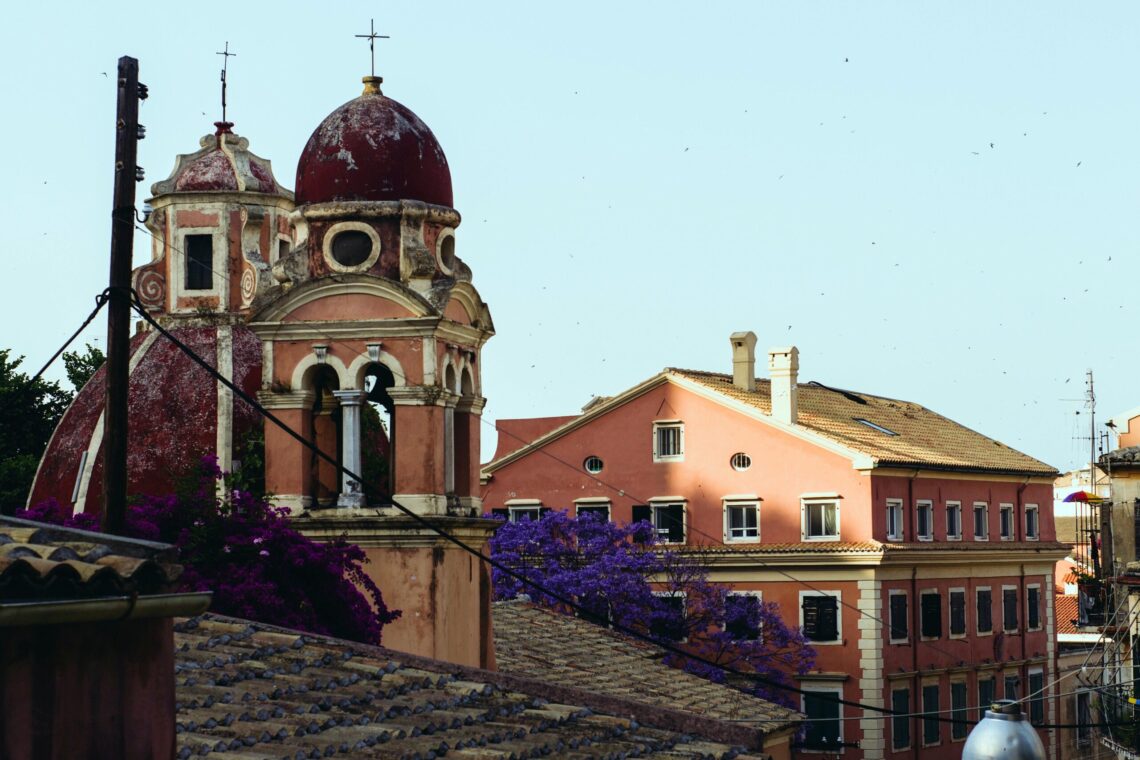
pixel 784 369
pixel 743 360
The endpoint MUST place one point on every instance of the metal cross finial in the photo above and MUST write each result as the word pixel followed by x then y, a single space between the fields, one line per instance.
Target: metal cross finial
pixel 372 36
pixel 225 64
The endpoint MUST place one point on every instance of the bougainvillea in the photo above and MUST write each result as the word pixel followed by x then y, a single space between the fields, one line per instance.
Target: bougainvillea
pixel 246 552
pixel 620 574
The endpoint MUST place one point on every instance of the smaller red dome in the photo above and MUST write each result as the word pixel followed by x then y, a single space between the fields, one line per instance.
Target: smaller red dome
pixel 373 149
pixel 224 164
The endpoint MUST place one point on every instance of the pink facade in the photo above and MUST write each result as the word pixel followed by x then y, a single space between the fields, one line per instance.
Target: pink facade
pixel 830 519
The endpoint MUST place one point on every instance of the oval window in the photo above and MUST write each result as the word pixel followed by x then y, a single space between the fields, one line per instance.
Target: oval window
pixel 447 254
pixel 741 461
pixel 351 248
pixel 593 464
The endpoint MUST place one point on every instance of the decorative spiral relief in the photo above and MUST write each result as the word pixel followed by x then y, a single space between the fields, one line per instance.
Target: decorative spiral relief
pixel 151 287
pixel 248 285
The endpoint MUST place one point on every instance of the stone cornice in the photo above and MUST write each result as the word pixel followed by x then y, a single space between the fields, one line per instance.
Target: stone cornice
pixel 366 329
pixel 367 527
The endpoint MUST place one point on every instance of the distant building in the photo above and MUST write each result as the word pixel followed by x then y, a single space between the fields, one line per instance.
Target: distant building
pixel 918 555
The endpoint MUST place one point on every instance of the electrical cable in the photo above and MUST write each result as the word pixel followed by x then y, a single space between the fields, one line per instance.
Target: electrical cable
pixel 100 300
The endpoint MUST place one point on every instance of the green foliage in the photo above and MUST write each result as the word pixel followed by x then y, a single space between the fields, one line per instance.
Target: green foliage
pixel 249 463
pixel 81 365
pixel 29 412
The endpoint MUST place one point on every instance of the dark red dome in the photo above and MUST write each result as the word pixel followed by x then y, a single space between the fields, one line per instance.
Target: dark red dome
pixel 373 149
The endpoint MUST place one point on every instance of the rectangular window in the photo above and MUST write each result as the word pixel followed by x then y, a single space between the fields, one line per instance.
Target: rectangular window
pixel 1036 697
pixel 931 614
pixel 1084 718
pixel 742 520
pixel 899 616
pixel 981 522
pixel 957 612
pixel 953 521
pixel 824 728
pixel 199 262
pixel 667 620
pixel 894 519
pixel 924 522
pixel 820 520
pixel 667 519
pixel 597 511
pixel 819 616
pixel 1011 684
pixel 1032 524
pixel 1008 608
pixel 931 723
pixel 900 724
pixel 1005 522
pixel 1033 608
pixel 985 695
pixel 960 727
pixel 742 619
pixel 668 441
pixel 985 611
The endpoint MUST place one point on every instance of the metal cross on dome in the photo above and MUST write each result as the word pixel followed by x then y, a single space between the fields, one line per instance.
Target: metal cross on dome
pixel 372 36
pixel 225 65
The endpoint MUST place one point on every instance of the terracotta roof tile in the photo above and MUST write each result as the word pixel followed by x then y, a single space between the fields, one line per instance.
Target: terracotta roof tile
pixel 44 562
pixel 1066 612
pixel 922 437
pixel 540 643
pixel 251 690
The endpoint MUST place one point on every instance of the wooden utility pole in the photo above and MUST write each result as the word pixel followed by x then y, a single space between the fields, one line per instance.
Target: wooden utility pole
pixel 127 173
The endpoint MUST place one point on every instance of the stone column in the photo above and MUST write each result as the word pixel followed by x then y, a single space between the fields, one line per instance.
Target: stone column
pixel 351 492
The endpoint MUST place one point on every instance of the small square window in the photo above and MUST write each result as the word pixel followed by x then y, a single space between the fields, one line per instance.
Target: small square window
pixel 742 520
pixel 667 518
pixel 819 616
pixel 953 521
pixel 894 520
pixel 924 522
pixel 821 520
pixel 1005 522
pixel 981 522
pixel 668 441
pixel 1032 525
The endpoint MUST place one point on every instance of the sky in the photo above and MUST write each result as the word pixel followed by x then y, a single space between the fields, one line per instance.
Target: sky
pixel 933 202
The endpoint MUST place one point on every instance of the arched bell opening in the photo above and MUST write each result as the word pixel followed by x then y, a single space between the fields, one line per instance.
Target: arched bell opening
pixel 378 434
pixel 326 421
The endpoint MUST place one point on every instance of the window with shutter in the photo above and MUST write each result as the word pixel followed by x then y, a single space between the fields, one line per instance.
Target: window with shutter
pixel 1037 697
pixel 642 513
pixel 900 724
pixel 1033 603
pixel 669 521
pixel 1012 682
pixel 960 727
pixel 668 617
pixel 1009 609
pixel 985 611
pixel 742 616
pixel 899 617
pixel 931 615
pixel 985 695
pixel 958 613
pixel 931 720
pixel 821 618
pixel 824 729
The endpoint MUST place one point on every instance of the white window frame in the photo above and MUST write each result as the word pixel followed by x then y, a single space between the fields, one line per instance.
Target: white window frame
pixel 1007 509
pixel 740 502
pixel 661 503
pixel 662 424
pixel 742 592
pixel 822 688
pixel 966 612
pixel 1035 510
pixel 985 522
pixel 953 505
pixel 1015 590
pixel 942 628
pixel 1040 615
pixel 594 504
pixel 806 502
pixel 920 505
pixel 219 277
pixel 895 512
pixel 838 616
pixel 515 513
pixel 890 631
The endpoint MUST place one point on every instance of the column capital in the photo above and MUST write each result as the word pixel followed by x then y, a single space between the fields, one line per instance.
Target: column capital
pixel 286 399
pixel 471 405
pixel 350 397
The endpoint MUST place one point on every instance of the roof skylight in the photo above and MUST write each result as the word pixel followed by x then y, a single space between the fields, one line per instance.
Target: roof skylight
pixel 873 426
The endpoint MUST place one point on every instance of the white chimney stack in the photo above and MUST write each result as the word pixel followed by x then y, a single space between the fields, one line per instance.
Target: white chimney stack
pixel 743 360
pixel 784 370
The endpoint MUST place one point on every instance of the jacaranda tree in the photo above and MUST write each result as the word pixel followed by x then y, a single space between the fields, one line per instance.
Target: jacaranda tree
pixel 620 574
pixel 246 551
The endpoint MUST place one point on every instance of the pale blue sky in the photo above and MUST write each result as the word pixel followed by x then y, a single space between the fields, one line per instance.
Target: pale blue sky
pixel 639 180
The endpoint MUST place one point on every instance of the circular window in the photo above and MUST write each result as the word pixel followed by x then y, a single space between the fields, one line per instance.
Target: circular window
pixel 741 461
pixel 593 464
pixel 351 248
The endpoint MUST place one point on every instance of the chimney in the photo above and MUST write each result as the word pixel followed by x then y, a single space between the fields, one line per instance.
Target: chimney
pixel 783 369
pixel 743 360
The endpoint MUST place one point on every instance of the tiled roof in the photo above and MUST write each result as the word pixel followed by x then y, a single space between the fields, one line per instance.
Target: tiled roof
pixel 542 644
pixel 923 437
pixel 1126 457
pixel 1065 613
pixel 247 690
pixel 43 563
pixel 805 547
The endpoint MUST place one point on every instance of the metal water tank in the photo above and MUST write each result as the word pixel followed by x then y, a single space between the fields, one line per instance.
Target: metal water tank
pixel 1003 734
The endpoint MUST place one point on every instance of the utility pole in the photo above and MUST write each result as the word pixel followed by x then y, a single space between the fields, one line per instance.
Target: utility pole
pixel 1107 570
pixel 128 132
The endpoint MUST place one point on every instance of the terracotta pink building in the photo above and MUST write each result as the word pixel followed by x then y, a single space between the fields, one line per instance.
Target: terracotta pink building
pixel 917 554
